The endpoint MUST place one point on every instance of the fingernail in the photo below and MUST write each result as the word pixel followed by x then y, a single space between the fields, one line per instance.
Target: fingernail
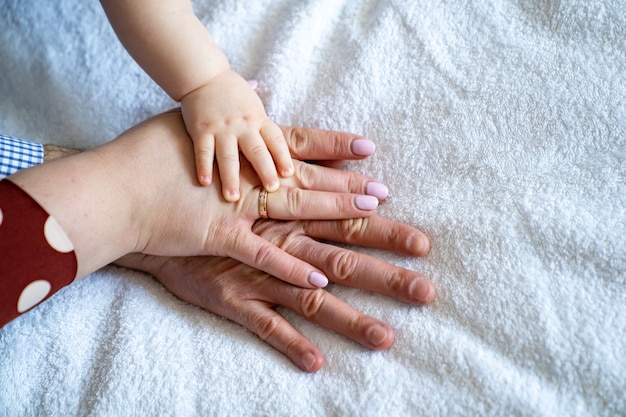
pixel 377 189
pixel 272 186
pixel 205 180
pixel 308 360
pixel 232 195
pixel 288 172
pixel 365 202
pixel 318 280
pixel 254 84
pixel 363 147
pixel 418 244
pixel 422 291
pixel 376 334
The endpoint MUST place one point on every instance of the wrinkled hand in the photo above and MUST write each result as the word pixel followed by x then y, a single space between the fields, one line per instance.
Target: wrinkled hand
pixel 248 296
pixel 224 116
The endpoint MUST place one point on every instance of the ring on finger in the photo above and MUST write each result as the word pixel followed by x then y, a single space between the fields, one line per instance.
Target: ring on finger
pixel 263 203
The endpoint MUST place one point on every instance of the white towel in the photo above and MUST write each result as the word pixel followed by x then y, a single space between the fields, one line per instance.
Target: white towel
pixel 501 132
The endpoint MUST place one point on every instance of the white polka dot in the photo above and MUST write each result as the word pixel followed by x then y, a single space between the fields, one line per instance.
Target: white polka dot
pixel 33 294
pixel 0 216
pixel 56 237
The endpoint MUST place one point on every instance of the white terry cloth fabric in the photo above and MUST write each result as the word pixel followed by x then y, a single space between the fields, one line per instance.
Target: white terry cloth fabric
pixel 501 132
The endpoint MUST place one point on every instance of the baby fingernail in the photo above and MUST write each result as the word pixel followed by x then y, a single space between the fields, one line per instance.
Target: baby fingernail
pixel 377 189
pixel 272 186
pixel 254 84
pixel 232 195
pixel 318 280
pixel 376 334
pixel 365 202
pixel 363 147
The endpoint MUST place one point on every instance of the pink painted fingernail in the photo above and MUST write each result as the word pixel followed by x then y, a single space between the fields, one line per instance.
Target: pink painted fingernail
pixel 318 280
pixel 254 84
pixel 365 202
pixel 377 189
pixel 362 147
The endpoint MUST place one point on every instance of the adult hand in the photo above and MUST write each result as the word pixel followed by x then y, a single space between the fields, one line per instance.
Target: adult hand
pixel 248 296
pixel 139 193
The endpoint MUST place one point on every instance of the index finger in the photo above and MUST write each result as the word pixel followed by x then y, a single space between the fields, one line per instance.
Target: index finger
pixel 326 145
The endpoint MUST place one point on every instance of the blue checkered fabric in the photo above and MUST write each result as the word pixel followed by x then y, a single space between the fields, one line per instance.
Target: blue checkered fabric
pixel 16 154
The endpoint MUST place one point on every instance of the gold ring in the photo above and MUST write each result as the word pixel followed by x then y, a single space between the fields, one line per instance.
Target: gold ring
pixel 263 204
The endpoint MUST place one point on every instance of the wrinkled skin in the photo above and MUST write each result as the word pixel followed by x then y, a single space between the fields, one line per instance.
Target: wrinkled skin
pixel 248 296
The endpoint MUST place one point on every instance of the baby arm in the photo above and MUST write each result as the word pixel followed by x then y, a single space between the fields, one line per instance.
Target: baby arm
pixel 222 113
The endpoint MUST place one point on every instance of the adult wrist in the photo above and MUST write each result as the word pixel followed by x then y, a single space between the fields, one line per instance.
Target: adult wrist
pixel 52 152
pixel 88 203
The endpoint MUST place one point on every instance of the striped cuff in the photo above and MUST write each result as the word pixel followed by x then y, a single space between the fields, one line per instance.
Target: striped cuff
pixel 16 154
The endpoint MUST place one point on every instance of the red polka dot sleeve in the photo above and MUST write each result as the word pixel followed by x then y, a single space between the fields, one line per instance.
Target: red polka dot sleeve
pixel 36 257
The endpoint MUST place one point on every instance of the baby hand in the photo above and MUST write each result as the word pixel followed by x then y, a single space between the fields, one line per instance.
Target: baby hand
pixel 225 116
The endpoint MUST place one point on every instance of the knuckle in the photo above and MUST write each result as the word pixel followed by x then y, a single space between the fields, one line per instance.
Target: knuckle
pixel 296 201
pixel 392 236
pixel 355 183
pixel 311 302
pixel 228 165
pixel 344 264
pixel 204 161
pixel 292 240
pixel 228 295
pixel 204 151
pixel 293 346
pixel 275 136
pixel 353 229
pixel 306 176
pixel 344 204
pixel 279 233
pixel 265 327
pixel 264 255
pixel 394 281
pixel 226 287
pixel 257 149
pixel 228 157
pixel 298 142
pixel 355 323
pixel 203 126
pixel 338 145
